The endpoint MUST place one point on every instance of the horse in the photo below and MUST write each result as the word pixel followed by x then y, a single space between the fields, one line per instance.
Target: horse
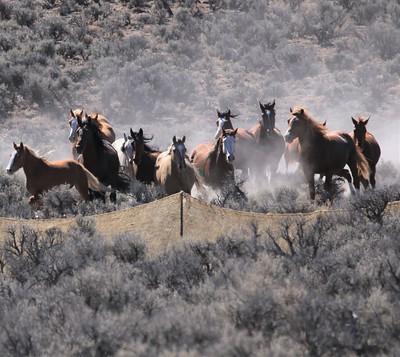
pixel 126 151
pixel 270 143
pixel 103 124
pixel 214 161
pixel 292 151
pixel 368 145
pixel 174 171
pixel 324 152
pixel 145 157
pixel 42 175
pixel 245 141
pixel 99 156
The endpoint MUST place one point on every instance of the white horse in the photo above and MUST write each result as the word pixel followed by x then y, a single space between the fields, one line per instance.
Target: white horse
pixel 126 150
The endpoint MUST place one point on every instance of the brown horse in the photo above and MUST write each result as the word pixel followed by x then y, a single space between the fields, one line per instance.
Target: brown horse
pixel 99 156
pixel 245 141
pixel 292 151
pixel 368 145
pixel 42 175
pixel 174 172
pixel 145 157
pixel 214 161
pixel 101 121
pixel 270 143
pixel 324 152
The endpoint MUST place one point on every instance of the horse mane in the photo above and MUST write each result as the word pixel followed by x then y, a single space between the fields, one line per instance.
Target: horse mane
pixel 99 141
pixel 213 155
pixel 148 148
pixel 314 125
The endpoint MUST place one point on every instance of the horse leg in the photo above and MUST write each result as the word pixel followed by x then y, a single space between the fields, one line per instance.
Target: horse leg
pixel 354 172
pixel 346 175
pixel 328 181
pixel 311 184
pixel 372 176
pixel 113 196
pixel 83 189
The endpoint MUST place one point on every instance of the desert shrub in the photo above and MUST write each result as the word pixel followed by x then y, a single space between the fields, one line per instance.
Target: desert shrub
pixel 384 38
pixel 5 10
pixel 24 16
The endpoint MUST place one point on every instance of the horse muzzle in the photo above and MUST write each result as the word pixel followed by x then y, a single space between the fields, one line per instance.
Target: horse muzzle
pixel 231 158
pixel 9 171
pixel 289 138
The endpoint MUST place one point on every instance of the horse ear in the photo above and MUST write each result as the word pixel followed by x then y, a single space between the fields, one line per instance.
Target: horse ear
pixel 125 138
pixel 21 145
pixel 301 111
pixel 15 146
pixel 96 116
pixel 218 113
pixel 141 133
pixel 229 113
pixel 131 133
pixel 367 120
pixel 71 112
pixel 291 110
pixel 354 121
pixel 174 140
pixel 81 113
pixel 273 104
pixel 324 123
pixel 235 131
pixel 261 106
pixel 183 139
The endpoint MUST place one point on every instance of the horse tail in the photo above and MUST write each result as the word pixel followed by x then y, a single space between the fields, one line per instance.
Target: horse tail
pixel 122 182
pixel 362 164
pixel 93 183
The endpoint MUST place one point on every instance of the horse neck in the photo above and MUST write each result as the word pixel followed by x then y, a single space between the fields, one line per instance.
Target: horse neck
pixel 32 163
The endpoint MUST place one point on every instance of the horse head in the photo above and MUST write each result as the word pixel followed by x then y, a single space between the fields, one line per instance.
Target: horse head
pixel 83 133
pixel 360 130
pixel 228 137
pixel 224 121
pixel 268 116
pixel 128 148
pixel 76 116
pixel 296 125
pixel 178 151
pixel 17 159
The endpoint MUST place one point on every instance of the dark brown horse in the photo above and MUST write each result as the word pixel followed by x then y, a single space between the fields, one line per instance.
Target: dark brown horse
pixel 368 145
pixel 292 151
pixel 270 143
pixel 42 175
pixel 245 141
pixel 214 161
pixel 99 156
pixel 324 152
pixel 145 157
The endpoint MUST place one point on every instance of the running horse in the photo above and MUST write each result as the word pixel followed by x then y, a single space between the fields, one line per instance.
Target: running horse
pixel 325 152
pixel 174 171
pixel 145 157
pixel 126 151
pixel 42 175
pixel 270 142
pixel 368 145
pixel 245 141
pixel 99 156
pixel 214 161
pixel 101 121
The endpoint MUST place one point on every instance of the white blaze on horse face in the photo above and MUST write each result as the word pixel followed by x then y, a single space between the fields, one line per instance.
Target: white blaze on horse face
pixel 228 147
pixel 129 151
pixel 221 122
pixel 74 128
pixel 10 165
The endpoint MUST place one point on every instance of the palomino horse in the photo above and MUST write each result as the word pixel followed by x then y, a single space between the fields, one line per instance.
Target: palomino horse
pixel 174 172
pixel 42 175
pixel 99 156
pixel 270 143
pixel 292 152
pixel 368 145
pixel 101 121
pixel 126 151
pixel 145 157
pixel 245 141
pixel 324 152
pixel 214 161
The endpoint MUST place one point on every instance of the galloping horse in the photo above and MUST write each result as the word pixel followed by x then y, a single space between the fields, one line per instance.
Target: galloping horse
pixel 101 121
pixel 324 152
pixel 42 175
pixel 99 156
pixel 270 143
pixel 292 151
pixel 245 141
pixel 126 151
pixel 214 161
pixel 173 170
pixel 145 157
pixel 368 145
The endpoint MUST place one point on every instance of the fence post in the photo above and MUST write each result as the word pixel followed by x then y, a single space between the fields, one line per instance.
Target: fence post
pixel 181 213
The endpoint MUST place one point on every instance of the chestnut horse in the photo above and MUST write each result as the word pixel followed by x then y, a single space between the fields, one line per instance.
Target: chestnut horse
pixel 324 152
pixel 99 156
pixel 101 121
pixel 42 175
pixel 292 151
pixel 245 141
pixel 368 145
pixel 270 143
pixel 174 171
pixel 214 161
pixel 145 157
